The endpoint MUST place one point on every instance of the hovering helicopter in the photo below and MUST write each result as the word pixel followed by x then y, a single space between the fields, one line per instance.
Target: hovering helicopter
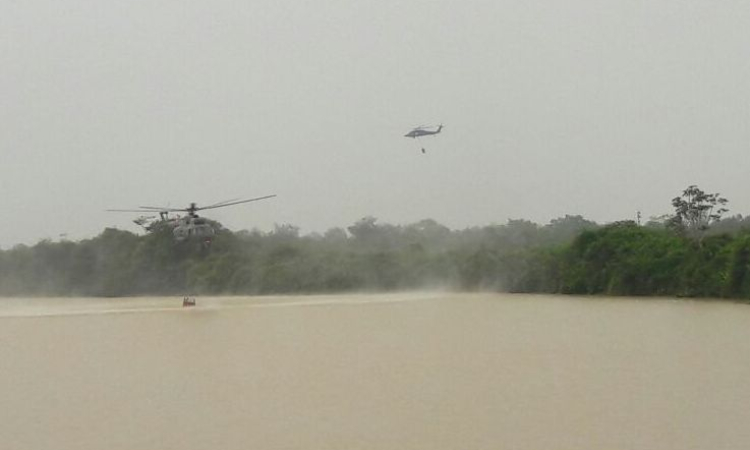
pixel 189 226
pixel 423 131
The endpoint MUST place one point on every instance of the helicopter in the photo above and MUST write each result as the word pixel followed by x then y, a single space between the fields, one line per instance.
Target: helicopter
pixel 422 130
pixel 185 227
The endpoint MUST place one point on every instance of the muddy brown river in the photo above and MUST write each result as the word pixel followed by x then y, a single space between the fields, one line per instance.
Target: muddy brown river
pixel 393 371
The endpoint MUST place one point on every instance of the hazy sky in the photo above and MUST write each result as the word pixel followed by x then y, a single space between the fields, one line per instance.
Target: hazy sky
pixel 590 107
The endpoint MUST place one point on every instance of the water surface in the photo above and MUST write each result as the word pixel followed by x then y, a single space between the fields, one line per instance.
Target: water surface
pixel 393 371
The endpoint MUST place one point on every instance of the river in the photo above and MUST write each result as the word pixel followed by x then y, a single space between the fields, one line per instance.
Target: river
pixel 388 371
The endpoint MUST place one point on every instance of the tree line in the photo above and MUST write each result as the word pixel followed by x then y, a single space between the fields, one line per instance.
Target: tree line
pixel 368 255
pixel 694 252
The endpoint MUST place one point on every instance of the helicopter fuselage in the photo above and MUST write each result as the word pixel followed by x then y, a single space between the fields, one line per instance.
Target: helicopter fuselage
pixel 418 132
pixel 192 227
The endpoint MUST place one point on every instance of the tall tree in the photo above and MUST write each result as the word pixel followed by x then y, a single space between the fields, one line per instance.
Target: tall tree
pixel 695 211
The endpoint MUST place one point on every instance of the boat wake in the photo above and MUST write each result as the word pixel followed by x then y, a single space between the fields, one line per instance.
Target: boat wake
pixel 60 307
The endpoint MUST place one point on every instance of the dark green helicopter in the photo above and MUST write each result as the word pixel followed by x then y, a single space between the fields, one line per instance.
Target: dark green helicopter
pixel 187 227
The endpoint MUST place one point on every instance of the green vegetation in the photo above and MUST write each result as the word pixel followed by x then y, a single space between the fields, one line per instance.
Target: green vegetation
pixel 368 255
pixel 694 253
pixel 625 259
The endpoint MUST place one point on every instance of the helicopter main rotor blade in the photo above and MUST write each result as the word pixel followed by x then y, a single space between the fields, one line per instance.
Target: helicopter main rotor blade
pixel 131 210
pixel 221 205
pixel 216 205
pixel 161 208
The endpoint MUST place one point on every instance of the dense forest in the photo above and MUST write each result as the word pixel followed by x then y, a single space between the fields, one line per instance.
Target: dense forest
pixel 695 252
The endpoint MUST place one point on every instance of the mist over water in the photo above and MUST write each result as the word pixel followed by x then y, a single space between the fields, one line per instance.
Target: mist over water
pixel 387 371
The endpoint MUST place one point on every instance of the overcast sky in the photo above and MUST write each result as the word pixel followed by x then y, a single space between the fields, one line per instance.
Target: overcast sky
pixel 591 107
